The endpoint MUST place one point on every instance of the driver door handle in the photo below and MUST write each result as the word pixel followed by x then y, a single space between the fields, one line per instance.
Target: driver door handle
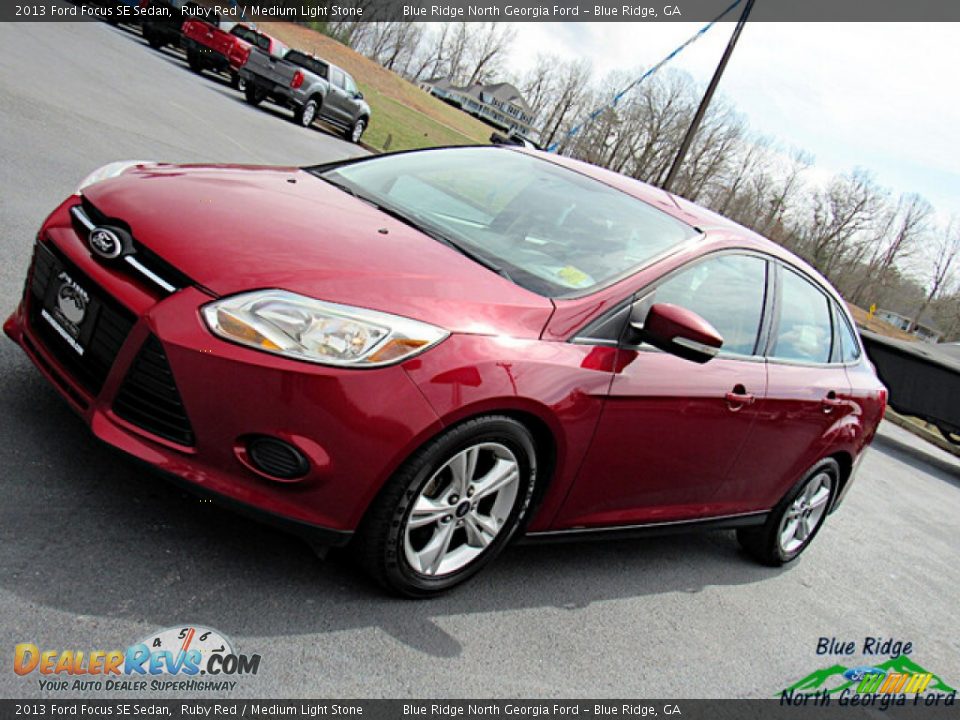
pixel 739 397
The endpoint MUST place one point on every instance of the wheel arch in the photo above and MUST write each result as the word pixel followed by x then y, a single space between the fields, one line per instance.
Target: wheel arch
pixel 844 459
pixel 546 445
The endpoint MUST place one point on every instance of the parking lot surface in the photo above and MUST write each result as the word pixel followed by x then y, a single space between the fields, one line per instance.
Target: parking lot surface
pixel 95 553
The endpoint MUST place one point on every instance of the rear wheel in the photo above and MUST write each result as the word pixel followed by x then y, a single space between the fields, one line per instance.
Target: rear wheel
pixel 153 39
pixel 307 113
pixel 253 94
pixel 194 61
pixel 796 520
pixel 451 508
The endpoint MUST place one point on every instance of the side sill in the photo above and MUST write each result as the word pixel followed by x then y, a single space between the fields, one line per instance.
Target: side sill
pixel 622 532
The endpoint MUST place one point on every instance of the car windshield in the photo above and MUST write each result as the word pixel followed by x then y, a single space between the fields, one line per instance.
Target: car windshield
pixel 549 229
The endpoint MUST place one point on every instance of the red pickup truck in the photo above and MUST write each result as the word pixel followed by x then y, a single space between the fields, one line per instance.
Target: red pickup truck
pixel 210 47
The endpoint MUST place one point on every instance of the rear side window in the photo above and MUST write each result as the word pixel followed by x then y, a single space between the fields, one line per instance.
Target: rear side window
pixel 804 332
pixel 727 291
pixel 849 349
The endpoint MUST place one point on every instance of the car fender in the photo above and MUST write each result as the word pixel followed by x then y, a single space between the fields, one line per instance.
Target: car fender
pixel 558 387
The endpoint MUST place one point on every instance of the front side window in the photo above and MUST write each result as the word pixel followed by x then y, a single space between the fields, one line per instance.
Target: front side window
pixel 551 230
pixel 337 77
pixel 351 86
pixel 728 291
pixel 804 332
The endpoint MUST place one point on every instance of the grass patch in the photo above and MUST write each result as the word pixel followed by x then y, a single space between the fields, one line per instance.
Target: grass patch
pixel 400 109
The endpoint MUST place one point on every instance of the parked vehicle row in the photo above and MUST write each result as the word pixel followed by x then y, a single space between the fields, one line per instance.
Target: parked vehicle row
pixel 260 66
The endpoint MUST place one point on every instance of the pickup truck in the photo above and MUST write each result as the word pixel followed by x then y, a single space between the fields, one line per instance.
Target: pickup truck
pixel 209 47
pixel 311 87
pixel 163 26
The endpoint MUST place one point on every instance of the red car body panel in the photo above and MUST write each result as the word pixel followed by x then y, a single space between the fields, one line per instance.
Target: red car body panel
pixel 311 238
pixel 634 436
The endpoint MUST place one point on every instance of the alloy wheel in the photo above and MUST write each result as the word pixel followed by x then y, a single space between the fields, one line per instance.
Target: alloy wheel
pixel 358 128
pixel 461 509
pixel 803 516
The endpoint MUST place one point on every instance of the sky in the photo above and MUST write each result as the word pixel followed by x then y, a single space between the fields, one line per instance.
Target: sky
pixel 881 96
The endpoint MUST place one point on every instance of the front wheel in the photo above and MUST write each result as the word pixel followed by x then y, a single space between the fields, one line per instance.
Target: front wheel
pixel 451 508
pixel 796 520
pixel 355 131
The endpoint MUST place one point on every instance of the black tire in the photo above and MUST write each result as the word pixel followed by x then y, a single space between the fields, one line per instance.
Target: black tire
pixel 307 113
pixel 380 541
pixel 237 83
pixel 195 62
pixel 153 39
pixel 356 130
pixel 253 94
pixel 764 543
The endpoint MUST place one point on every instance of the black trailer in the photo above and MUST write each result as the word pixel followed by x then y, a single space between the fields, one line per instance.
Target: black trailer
pixel 923 379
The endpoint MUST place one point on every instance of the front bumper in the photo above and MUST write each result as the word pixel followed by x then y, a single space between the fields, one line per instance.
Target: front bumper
pixel 355 427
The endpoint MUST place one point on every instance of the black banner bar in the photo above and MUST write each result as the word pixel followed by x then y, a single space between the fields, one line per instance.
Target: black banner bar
pixel 500 10
pixel 864 709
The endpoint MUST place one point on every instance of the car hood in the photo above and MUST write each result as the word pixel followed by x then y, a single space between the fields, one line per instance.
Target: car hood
pixel 233 229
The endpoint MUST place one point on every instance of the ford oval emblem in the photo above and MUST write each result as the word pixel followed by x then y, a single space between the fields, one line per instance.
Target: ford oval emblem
pixel 105 243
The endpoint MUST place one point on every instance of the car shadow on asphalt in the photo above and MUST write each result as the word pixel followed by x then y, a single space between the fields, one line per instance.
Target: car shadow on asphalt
pixel 86 531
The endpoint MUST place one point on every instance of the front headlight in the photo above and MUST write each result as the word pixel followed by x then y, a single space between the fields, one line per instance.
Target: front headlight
pixel 302 328
pixel 110 170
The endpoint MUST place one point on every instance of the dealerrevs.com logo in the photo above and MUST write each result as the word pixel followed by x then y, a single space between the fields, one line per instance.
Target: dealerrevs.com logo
pixel 187 658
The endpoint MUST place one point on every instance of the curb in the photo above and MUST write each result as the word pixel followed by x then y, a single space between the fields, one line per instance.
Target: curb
pixel 931 436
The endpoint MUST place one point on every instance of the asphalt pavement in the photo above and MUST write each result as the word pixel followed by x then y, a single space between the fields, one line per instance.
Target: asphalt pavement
pixel 95 553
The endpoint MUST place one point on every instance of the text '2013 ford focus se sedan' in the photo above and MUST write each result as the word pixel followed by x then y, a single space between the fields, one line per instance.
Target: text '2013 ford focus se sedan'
pixel 428 353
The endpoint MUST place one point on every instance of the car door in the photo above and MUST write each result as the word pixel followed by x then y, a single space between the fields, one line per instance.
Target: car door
pixel 335 105
pixel 351 100
pixel 808 394
pixel 671 429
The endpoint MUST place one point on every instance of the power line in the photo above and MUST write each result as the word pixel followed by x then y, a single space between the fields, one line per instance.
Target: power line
pixel 616 98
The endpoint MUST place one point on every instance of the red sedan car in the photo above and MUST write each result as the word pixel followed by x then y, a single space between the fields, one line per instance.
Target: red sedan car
pixel 429 353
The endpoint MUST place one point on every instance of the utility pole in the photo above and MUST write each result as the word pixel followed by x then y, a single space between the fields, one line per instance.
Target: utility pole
pixel 707 97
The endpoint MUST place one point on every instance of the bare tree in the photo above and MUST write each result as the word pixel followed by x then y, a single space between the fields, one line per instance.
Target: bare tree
pixel 900 230
pixel 945 252
pixel 493 43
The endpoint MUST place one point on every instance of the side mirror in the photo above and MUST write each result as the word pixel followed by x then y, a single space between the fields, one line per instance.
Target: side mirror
pixel 678 331
pixel 358 95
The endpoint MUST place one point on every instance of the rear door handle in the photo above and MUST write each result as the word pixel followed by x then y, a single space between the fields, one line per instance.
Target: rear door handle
pixel 739 397
pixel 830 402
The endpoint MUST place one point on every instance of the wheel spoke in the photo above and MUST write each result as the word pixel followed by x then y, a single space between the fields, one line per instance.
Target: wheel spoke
pixel 426 511
pixel 432 555
pixel 479 535
pixel 463 467
pixel 501 474
pixel 820 497
pixel 803 529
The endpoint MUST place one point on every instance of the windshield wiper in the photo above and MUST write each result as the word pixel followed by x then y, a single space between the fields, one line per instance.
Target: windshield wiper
pixel 417 222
